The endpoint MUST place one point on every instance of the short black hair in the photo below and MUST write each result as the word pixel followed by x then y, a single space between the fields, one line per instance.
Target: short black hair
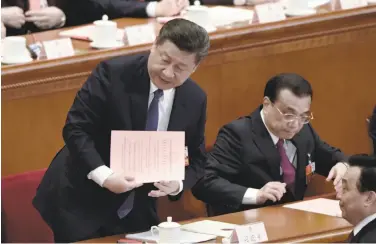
pixel 187 36
pixel 367 165
pixel 291 81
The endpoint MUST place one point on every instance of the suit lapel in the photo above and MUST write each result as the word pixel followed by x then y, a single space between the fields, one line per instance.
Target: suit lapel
pixel 302 160
pixel 265 144
pixel 179 114
pixel 139 95
pixel 369 228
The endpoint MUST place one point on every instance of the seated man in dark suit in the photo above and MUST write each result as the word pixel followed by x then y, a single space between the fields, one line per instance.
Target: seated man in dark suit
pixel 372 129
pixel 358 198
pixel 94 9
pixel 80 197
pixel 269 156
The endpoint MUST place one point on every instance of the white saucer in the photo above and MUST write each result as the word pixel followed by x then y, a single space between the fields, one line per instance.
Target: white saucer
pixel 17 60
pixel 371 1
pixel 103 46
pixel 299 12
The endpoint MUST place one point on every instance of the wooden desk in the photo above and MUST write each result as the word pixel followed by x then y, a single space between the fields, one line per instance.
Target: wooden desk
pixel 282 225
pixel 335 51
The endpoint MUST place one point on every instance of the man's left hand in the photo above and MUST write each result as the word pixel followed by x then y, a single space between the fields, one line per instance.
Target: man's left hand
pixel 165 188
pixel 46 18
pixel 336 173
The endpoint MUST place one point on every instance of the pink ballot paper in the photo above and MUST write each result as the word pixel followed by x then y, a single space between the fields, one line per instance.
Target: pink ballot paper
pixel 149 156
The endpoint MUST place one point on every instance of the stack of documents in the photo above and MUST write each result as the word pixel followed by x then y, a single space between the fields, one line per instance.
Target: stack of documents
pixel 210 227
pixel 319 205
pixel 185 237
pixel 87 32
pixel 221 16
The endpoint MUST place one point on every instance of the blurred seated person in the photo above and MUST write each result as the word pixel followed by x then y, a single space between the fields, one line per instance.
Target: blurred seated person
pixel 372 129
pixel 22 16
pixel 95 9
pixel 358 198
pixel 269 156
pixel 229 2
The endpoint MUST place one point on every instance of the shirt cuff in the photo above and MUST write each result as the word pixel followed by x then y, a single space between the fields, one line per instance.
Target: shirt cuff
pixel 151 8
pixel 250 196
pixel 100 174
pixel 180 189
pixel 239 2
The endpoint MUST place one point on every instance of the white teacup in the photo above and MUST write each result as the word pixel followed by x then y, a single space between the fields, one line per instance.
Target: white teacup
pixel 167 232
pixel 14 49
pixel 198 14
pixel 105 32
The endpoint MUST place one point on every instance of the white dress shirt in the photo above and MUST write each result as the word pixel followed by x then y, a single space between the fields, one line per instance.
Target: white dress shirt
pixel 100 174
pixel 363 223
pixel 251 193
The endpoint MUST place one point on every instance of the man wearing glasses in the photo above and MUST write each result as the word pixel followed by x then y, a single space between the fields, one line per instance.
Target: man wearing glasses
pixel 269 156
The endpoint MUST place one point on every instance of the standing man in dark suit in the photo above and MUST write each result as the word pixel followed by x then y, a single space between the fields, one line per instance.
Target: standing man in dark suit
pixel 358 198
pixel 372 129
pixel 269 156
pixel 80 197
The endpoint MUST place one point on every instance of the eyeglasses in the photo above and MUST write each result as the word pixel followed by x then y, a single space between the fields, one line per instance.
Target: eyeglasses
pixel 292 117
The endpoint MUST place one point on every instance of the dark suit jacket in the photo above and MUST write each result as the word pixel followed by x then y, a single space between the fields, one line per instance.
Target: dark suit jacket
pixel 95 9
pixel 372 129
pixel 366 235
pixel 244 156
pixel 72 10
pixel 115 97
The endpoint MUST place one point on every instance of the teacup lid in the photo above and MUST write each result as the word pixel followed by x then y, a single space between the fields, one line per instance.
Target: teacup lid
pixel 169 223
pixel 104 21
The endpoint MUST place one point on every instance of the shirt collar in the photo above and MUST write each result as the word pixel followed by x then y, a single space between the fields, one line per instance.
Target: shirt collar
pixel 153 88
pixel 274 137
pixel 363 223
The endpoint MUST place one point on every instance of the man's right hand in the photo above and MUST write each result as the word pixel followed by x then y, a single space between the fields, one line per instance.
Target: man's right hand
pixel 119 183
pixel 167 8
pixel 13 17
pixel 271 191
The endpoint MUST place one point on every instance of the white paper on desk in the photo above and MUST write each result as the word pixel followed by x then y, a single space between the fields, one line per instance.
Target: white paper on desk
pixel 349 4
pixel 140 34
pixel 210 227
pixel 185 237
pixel 270 12
pixel 58 48
pixel 149 156
pixel 311 3
pixel 221 16
pixel 319 205
pixel 88 31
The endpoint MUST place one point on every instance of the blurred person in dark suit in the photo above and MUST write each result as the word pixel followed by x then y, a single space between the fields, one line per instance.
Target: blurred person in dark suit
pixel 22 16
pixel 358 198
pixel 95 9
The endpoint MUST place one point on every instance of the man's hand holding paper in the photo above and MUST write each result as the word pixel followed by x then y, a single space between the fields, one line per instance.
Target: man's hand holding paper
pixel 166 188
pixel 119 183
